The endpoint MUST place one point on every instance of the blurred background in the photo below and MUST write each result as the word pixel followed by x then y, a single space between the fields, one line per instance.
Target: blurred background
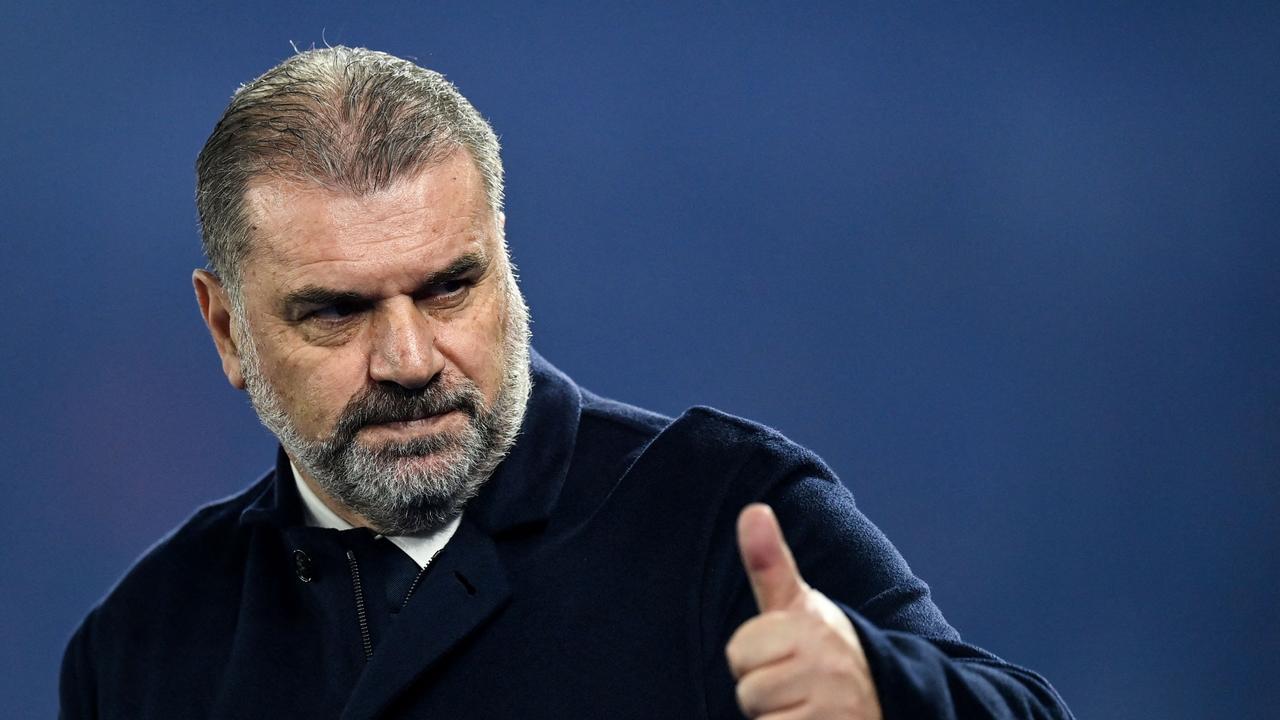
pixel 1012 269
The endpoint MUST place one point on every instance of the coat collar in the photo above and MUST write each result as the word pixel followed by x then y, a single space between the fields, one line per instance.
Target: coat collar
pixel 467 584
pixel 526 485
pixel 524 488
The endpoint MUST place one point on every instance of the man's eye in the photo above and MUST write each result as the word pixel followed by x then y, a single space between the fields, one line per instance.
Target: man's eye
pixel 449 289
pixel 333 313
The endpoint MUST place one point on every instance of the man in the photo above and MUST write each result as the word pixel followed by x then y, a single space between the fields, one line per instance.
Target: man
pixel 453 528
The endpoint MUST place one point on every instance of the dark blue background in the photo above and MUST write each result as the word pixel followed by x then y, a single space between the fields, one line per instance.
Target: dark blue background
pixel 1013 271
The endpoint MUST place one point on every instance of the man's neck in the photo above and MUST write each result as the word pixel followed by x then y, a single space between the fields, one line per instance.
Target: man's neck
pixel 320 509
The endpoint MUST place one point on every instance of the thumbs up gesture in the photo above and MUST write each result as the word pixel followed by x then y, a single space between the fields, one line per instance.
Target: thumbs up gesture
pixel 800 657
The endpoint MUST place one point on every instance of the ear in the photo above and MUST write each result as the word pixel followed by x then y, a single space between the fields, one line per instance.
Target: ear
pixel 215 308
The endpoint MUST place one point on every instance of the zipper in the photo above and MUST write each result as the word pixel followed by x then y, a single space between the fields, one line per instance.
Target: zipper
pixel 362 615
pixel 418 578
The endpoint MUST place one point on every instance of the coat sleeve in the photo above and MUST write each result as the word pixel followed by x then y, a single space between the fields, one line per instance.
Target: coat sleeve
pixel 919 664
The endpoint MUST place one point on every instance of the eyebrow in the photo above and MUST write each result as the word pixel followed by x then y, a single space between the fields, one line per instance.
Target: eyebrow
pixel 318 295
pixel 472 263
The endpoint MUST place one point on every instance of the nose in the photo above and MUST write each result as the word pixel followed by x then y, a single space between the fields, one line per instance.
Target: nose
pixel 404 349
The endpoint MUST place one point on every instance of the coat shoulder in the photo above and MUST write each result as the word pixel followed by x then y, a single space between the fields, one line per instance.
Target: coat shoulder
pixel 622 417
pixel 701 429
pixel 186 560
pixel 762 452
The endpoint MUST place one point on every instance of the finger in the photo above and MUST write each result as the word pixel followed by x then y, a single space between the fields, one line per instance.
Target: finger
pixel 772 688
pixel 762 640
pixel 774 578
pixel 800 711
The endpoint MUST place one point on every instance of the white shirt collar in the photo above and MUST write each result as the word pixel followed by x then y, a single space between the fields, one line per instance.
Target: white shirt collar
pixel 422 548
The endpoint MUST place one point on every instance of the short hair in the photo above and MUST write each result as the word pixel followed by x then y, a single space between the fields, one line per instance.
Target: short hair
pixel 344 118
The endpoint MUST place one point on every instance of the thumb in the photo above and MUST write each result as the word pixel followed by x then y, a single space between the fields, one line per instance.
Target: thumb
pixel 772 571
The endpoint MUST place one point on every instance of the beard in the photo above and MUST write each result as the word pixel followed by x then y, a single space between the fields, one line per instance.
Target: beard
pixel 421 484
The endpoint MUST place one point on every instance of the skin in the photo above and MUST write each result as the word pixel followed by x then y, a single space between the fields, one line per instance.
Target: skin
pixel 800 658
pixel 381 248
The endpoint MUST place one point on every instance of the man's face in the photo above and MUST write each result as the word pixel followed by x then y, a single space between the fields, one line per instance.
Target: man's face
pixel 384 341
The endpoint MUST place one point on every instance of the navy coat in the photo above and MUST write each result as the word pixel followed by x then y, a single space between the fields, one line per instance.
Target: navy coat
pixel 596 575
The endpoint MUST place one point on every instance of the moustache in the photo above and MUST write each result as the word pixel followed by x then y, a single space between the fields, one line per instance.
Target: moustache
pixel 393 403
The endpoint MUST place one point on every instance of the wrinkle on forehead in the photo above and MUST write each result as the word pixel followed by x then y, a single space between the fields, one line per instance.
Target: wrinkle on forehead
pixel 297 226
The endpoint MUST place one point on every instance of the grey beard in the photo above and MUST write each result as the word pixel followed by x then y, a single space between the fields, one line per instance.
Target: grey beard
pixel 384 485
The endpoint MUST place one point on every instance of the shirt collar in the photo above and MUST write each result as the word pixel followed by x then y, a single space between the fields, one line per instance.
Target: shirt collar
pixel 314 512
pixel 422 547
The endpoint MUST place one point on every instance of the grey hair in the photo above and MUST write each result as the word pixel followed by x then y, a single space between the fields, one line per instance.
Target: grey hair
pixel 343 118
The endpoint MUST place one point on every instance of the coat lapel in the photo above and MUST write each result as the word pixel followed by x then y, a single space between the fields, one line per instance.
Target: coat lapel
pixel 465 586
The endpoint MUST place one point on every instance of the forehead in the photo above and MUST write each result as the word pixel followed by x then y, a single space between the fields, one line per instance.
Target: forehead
pixel 303 233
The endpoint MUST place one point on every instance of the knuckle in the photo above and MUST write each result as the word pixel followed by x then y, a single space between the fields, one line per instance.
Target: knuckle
pixel 748 698
pixel 736 648
pixel 735 663
pixel 835 665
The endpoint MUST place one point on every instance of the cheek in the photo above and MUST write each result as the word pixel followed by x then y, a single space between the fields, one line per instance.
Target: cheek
pixel 474 346
pixel 320 384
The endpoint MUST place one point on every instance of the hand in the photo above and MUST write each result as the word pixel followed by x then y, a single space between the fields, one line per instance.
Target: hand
pixel 800 657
